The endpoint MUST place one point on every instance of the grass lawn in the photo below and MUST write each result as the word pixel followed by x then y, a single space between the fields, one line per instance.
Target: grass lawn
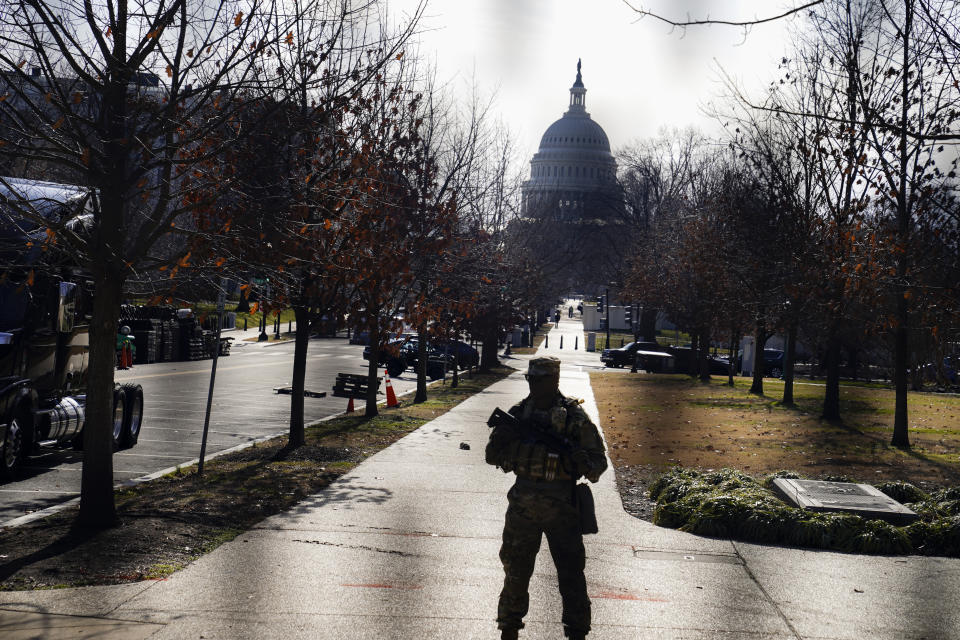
pixel 660 421
pixel 617 339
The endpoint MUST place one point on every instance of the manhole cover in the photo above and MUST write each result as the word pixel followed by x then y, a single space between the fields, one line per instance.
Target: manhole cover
pixel 860 499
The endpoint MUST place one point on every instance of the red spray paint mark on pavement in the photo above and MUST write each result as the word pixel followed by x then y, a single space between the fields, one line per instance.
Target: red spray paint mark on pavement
pixel 374 585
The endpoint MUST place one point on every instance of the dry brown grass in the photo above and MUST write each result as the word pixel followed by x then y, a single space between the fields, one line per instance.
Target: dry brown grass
pixel 659 421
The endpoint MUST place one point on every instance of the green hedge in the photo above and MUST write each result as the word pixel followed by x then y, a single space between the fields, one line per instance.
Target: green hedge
pixel 731 504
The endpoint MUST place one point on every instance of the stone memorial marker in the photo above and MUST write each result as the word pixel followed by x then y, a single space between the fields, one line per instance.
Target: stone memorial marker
pixel 859 499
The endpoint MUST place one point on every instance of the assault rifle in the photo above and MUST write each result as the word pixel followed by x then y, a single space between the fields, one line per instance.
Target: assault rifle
pixel 582 497
pixel 555 442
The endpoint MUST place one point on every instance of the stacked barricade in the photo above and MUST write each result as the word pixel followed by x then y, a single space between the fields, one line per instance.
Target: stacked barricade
pixel 163 335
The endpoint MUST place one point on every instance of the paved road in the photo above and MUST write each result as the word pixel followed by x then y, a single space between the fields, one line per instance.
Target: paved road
pixel 245 408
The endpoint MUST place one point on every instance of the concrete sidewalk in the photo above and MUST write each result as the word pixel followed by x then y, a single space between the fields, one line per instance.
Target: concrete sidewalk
pixel 406 546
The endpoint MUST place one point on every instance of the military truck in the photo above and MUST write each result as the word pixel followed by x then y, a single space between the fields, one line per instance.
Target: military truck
pixel 44 329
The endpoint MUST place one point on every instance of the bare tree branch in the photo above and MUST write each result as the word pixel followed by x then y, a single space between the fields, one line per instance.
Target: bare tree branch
pixel 643 13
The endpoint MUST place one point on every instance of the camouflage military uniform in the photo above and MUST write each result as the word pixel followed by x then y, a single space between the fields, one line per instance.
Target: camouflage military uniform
pixel 542 502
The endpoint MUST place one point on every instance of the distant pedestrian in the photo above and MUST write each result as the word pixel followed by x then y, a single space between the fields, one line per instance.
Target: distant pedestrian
pixel 126 348
pixel 556 316
pixel 549 443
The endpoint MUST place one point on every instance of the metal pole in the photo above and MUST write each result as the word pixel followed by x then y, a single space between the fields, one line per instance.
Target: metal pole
pixel 213 377
pixel 607 346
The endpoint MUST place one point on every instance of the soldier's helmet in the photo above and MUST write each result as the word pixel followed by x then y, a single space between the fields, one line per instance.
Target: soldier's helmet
pixel 544 366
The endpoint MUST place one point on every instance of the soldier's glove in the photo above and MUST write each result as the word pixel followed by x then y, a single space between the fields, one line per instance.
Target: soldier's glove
pixel 581 463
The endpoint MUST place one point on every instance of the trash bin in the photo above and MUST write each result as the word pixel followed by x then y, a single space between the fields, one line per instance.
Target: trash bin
pixel 591 342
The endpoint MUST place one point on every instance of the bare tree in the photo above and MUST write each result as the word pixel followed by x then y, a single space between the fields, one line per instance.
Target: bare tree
pixel 123 97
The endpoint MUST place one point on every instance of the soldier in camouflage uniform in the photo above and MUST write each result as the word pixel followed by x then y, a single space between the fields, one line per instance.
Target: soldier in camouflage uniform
pixel 542 500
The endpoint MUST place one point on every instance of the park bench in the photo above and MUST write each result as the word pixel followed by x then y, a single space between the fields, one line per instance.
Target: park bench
pixel 351 385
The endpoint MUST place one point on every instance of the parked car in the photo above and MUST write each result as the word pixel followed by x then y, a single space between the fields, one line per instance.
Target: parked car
pixel 467 355
pixel 395 347
pixel 403 352
pixel 773 360
pixel 624 355
pixel 719 365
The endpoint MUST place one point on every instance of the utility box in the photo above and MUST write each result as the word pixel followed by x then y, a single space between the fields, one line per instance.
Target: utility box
pixel 591 342
pixel 591 318
pixel 749 351
pixel 617 318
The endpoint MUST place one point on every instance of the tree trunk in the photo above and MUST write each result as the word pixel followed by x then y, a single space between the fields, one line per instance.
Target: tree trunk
pixel 421 395
pixel 703 355
pixel 302 342
pixel 97 507
pixel 488 351
pixel 373 385
pixel 243 306
pixel 757 385
pixel 734 346
pixel 901 437
pixel 901 356
pixel 788 359
pixel 693 364
pixel 648 324
pixel 831 396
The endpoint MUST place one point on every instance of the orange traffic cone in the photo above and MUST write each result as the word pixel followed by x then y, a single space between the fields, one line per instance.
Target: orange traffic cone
pixel 350 405
pixel 391 396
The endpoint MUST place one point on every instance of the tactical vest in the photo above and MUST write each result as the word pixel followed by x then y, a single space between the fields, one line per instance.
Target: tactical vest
pixel 534 460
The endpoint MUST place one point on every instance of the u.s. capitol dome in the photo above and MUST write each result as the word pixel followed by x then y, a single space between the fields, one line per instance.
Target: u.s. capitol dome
pixel 573 176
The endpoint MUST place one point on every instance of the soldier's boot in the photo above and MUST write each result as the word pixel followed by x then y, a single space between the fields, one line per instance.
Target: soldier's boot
pixel 509 634
pixel 575 635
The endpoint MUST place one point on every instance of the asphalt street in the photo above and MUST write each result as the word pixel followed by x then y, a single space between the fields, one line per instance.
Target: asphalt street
pixel 245 408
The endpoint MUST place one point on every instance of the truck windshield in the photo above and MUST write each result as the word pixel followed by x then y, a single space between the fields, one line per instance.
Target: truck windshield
pixel 13 306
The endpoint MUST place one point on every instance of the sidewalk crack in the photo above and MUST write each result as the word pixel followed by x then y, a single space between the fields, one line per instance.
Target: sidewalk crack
pixel 767 596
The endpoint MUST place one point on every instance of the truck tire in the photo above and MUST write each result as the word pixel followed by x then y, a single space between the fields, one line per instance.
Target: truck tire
pixel 11 450
pixel 119 409
pixel 132 415
pixel 396 366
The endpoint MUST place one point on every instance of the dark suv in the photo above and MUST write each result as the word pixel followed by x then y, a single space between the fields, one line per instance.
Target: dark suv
pixel 773 363
pixel 624 355
pixel 403 352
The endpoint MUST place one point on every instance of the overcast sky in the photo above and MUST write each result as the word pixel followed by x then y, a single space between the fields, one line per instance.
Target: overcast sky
pixel 639 76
